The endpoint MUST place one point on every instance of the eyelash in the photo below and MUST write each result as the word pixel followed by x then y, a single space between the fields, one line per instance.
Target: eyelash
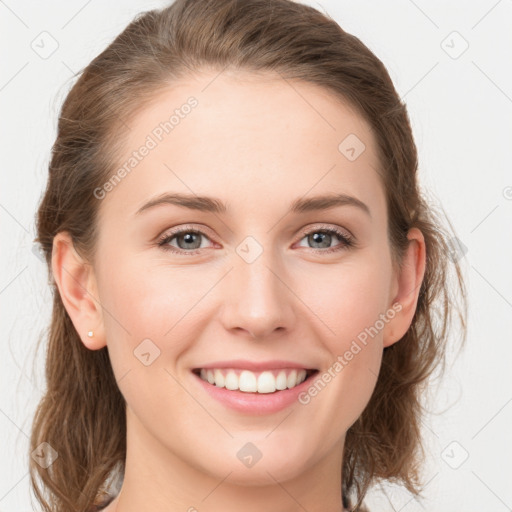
pixel 347 241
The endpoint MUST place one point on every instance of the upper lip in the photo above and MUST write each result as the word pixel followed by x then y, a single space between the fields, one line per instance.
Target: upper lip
pixel 255 366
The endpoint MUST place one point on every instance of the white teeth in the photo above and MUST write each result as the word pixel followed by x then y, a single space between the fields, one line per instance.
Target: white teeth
pixel 266 383
pixel 251 382
pixel 281 381
pixel 219 378
pixel 248 382
pixel 231 381
pixel 292 379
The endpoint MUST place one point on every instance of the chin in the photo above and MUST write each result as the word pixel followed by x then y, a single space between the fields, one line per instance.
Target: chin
pixel 251 466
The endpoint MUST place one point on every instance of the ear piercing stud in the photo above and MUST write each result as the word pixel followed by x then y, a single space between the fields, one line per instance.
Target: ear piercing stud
pixel 90 334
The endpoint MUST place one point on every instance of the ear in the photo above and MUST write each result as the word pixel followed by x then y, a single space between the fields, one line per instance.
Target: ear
pixel 76 282
pixel 406 288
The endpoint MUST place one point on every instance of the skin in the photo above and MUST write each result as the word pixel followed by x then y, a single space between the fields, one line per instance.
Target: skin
pixel 256 142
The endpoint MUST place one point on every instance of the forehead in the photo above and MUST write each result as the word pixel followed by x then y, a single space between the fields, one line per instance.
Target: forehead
pixel 249 138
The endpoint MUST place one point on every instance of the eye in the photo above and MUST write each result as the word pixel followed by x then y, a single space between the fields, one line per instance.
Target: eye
pixel 322 239
pixel 187 240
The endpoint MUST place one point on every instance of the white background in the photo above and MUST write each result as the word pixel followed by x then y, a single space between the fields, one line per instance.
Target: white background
pixel 461 111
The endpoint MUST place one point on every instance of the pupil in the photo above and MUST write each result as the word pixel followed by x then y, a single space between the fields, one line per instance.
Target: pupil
pixel 189 238
pixel 318 238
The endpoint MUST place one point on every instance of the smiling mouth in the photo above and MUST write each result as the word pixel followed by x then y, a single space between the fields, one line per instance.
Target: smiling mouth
pixel 246 381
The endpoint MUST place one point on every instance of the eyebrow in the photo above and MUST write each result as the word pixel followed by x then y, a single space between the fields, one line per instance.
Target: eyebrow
pixel 214 205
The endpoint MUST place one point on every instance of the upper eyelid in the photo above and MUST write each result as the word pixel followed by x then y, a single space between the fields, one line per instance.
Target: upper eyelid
pixel 185 228
pixel 321 227
pixel 201 229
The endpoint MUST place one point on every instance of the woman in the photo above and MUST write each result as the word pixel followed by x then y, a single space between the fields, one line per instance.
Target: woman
pixel 250 290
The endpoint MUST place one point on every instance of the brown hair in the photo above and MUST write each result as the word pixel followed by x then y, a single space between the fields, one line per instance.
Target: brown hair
pixel 82 414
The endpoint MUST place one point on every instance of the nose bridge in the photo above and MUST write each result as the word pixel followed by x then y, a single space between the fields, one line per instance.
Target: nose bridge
pixel 259 301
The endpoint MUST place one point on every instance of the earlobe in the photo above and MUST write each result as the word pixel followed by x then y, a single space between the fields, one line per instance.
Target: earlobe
pixel 76 283
pixel 407 287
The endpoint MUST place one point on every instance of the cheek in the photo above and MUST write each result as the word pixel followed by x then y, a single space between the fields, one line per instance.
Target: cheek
pixel 351 306
pixel 350 300
pixel 149 310
pixel 150 299
pixel 149 324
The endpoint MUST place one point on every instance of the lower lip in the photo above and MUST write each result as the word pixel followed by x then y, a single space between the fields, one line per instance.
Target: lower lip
pixel 256 403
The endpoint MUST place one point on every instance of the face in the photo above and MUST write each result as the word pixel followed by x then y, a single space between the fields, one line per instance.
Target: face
pixel 270 275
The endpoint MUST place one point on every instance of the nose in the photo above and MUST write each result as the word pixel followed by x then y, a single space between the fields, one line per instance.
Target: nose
pixel 258 300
